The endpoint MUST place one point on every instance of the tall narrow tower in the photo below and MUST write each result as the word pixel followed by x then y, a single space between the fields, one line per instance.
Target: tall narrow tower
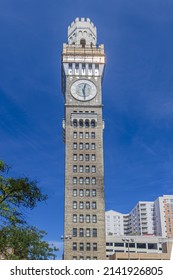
pixel 83 63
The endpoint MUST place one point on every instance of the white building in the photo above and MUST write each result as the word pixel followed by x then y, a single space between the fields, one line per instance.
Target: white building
pixel 146 218
pixel 114 223
pixel 141 219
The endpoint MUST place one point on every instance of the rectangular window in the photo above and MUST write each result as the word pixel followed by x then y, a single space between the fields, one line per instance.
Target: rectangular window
pixel 77 65
pixel 81 180
pixel 87 218
pixel 90 66
pixel 93 181
pixel 74 218
pixel 93 169
pixel 94 219
pixel 80 135
pixel 74 192
pixel 93 135
pixel 81 246
pixel 74 134
pixel 87 192
pixel 87 146
pixel 80 157
pixel 94 246
pixel 74 232
pixel 130 245
pixel 94 205
pixel 81 205
pixel 93 146
pixel 86 135
pixel 80 146
pixel 87 205
pixel 93 192
pixel 81 168
pixel 87 169
pixel 97 66
pixel 74 156
pixel 81 218
pixel 74 246
pixel 81 232
pixel 70 65
pixel 87 181
pixel 74 204
pixel 74 146
pixel 93 157
pixel 88 234
pixel 94 232
pixel 152 246
pixel 81 193
pixel 88 246
pixel 74 168
pixel 141 245
pixel 117 244
pixel 87 157
pixel 83 65
pixel 74 180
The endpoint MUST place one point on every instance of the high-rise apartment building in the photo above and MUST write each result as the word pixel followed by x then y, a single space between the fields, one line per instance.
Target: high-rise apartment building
pixel 164 216
pixel 146 218
pixel 141 219
pixel 114 223
pixel 83 63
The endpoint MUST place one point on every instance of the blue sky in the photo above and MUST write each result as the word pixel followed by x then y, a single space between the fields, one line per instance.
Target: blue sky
pixel 137 97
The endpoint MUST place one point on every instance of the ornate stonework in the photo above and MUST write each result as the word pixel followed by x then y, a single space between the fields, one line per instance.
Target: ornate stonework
pixel 82 72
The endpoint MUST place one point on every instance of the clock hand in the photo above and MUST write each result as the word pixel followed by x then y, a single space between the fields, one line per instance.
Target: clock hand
pixel 83 90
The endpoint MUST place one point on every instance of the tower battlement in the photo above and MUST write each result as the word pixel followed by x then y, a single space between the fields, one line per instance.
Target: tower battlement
pixel 82 32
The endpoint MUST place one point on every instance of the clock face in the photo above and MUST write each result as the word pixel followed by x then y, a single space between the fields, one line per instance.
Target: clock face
pixel 83 90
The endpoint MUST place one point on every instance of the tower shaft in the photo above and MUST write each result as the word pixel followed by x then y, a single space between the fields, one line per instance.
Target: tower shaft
pixel 82 72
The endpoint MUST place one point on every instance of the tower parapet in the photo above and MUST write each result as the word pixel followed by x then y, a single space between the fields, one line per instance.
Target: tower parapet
pixel 82 32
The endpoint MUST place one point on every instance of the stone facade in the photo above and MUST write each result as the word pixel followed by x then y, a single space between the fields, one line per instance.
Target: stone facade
pixel 84 218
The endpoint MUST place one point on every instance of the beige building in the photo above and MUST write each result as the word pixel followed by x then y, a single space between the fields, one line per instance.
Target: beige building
pixel 138 247
pixel 164 215
pixel 83 63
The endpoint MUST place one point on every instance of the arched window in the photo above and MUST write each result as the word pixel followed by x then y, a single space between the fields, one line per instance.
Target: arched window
pixel 83 43
pixel 87 123
pixel 75 123
pixel 80 123
pixel 93 123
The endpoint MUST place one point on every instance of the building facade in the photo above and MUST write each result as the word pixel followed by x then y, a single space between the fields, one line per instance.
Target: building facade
pixel 114 223
pixel 83 63
pixel 164 216
pixel 135 244
pixel 146 218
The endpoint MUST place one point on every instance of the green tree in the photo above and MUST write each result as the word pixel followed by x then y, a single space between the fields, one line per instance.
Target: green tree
pixel 25 243
pixel 15 195
pixel 18 240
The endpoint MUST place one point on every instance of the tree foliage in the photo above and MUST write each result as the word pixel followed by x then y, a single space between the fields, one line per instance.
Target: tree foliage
pixel 18 240
pixel 16 194
pixel 25 243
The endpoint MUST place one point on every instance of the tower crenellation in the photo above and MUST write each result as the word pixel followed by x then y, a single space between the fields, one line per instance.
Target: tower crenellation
pixel 82 32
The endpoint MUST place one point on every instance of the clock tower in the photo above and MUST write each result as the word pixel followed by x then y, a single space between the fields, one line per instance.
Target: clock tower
pixel 83 63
